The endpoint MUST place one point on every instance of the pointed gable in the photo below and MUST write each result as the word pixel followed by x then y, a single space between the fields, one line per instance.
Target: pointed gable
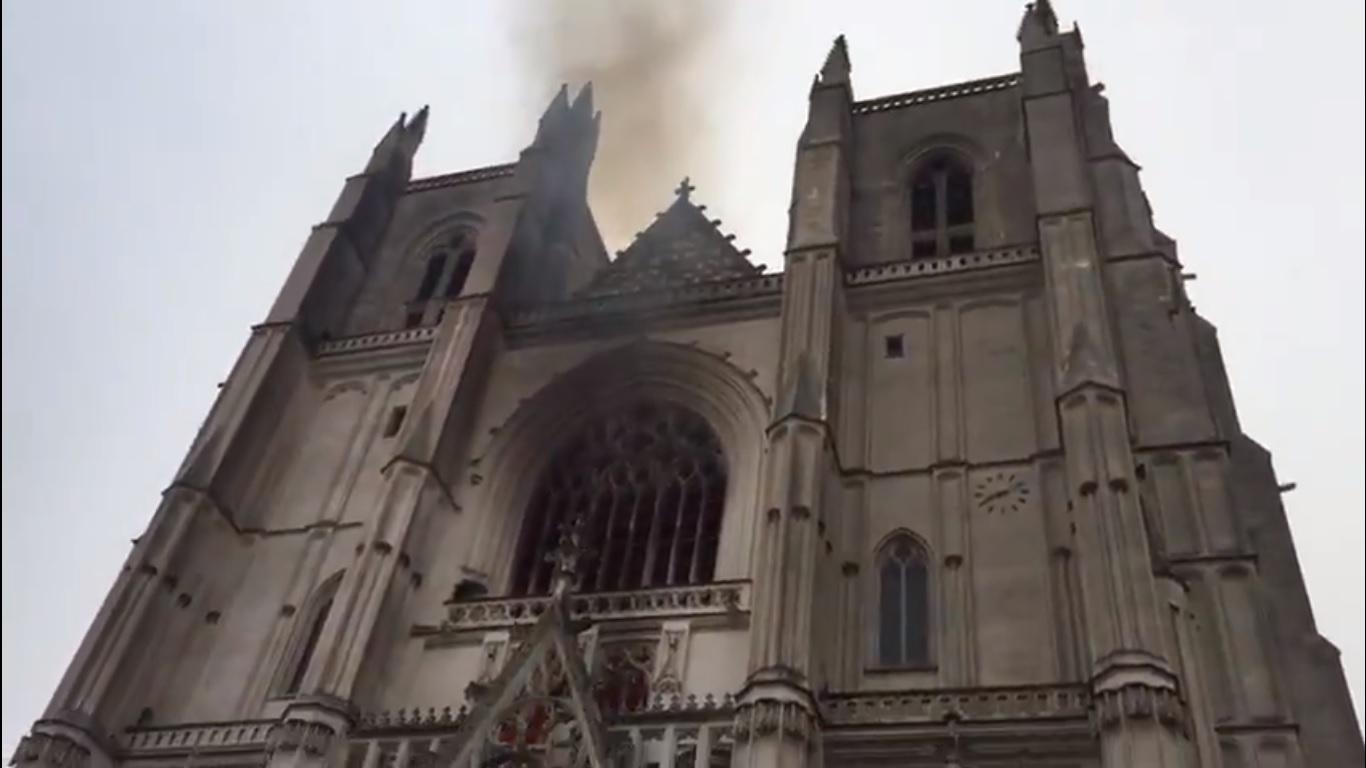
pixel 542 698
pixel 681 247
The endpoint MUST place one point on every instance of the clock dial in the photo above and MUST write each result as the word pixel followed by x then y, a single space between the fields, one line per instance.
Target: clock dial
pixel 1001 492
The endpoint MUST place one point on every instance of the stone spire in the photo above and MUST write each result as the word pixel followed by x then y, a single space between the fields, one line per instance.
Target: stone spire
pixel 1038 24
pixel 399 144
pixel 414 132
pixel 583 103
pixel 836 69
pixel 554 115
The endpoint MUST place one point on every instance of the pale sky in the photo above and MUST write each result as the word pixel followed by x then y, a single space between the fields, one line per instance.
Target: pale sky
pixel 164 160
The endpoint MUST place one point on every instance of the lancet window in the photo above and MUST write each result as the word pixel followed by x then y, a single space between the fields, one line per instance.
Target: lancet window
pixel 448 267
pixel 903 637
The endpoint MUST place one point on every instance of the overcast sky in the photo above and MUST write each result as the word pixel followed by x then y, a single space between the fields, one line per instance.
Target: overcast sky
pixel 163 161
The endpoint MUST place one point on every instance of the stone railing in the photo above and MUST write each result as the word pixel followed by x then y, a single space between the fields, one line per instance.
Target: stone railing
pixel 902 270
pixel 447 720
pixel 415 720
pixel 1071 702
pixel 676 706
pixel 378 341
pixel 714 599
pixel 194 738
pixel 941 93
pixel 720 290
pixel 462 177
pixel 695 742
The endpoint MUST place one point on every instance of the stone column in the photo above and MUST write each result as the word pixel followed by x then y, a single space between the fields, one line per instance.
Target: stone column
pixel 1138 705
pixel 776 721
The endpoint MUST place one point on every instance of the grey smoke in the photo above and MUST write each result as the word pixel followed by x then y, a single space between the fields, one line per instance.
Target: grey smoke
pixel 649 62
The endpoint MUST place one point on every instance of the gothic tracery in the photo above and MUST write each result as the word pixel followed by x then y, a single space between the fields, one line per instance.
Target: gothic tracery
pixel 650 480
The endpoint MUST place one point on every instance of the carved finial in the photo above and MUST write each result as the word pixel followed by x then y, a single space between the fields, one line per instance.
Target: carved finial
pixel 1038 25
pixel 685 189
pixel 566 556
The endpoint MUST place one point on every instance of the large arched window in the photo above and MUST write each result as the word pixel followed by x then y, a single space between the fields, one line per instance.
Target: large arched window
pixel 448 267
pixel 903 583
pixel 941 208
pixel 649 481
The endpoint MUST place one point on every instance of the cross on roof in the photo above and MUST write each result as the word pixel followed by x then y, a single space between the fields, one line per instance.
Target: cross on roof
pixel 685 188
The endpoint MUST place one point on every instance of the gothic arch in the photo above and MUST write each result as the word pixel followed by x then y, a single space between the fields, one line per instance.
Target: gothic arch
pixel 957 151
pixel 662 372
pixel 304 637
pixel 434 266
pixel 429 236
pixel 956 145
pixel 340 388
pixel 902 594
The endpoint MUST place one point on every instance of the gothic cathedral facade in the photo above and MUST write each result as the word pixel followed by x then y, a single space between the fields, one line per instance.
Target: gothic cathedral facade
pixel 963 485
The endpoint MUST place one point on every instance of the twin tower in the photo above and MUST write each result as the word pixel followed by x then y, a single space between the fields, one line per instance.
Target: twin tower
pixel 963 485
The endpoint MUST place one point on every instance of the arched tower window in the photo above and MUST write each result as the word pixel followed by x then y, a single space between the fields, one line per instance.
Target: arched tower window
pixel 649 481
pixel 941 208
pixel 460 271
pixel 903 636
pixel 436 265
pixel 448 267
pixel 308 631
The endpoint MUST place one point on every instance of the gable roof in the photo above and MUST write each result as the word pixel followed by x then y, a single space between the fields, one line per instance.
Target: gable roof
pixel 681 247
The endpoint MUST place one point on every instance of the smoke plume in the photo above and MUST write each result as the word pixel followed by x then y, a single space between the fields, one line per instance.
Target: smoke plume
pixel 649 62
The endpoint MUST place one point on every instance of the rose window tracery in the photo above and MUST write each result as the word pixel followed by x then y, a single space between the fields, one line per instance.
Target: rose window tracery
pixel 649 480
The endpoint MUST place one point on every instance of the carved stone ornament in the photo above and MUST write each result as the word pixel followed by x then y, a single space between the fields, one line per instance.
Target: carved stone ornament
pixel 671 658
pixel 311 738
pixel 493 652
pixel 49 751
pixel 1140 702
pixel 768 717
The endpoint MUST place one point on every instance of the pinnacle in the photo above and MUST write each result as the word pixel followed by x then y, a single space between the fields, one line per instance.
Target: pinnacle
pixel 1039 23
pixel 836 68
pixel 584 101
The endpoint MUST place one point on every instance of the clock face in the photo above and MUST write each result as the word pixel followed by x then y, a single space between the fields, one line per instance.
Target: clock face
pixel 1002 492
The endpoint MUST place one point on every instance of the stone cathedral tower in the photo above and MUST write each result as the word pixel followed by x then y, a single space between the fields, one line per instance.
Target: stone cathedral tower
pixel 962 486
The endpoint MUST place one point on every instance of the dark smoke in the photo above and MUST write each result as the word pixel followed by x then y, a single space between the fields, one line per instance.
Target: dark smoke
pixel 650 62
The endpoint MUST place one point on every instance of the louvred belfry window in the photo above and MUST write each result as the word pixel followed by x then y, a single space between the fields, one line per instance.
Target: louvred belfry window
pixel 649 480
pixel 941 209
pixel 448 267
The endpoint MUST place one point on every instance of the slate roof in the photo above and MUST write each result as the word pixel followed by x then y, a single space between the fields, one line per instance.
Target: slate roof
pixel 682 247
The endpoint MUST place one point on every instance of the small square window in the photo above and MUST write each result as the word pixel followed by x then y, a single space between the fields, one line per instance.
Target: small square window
pixel 395 422
pixel 895 346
